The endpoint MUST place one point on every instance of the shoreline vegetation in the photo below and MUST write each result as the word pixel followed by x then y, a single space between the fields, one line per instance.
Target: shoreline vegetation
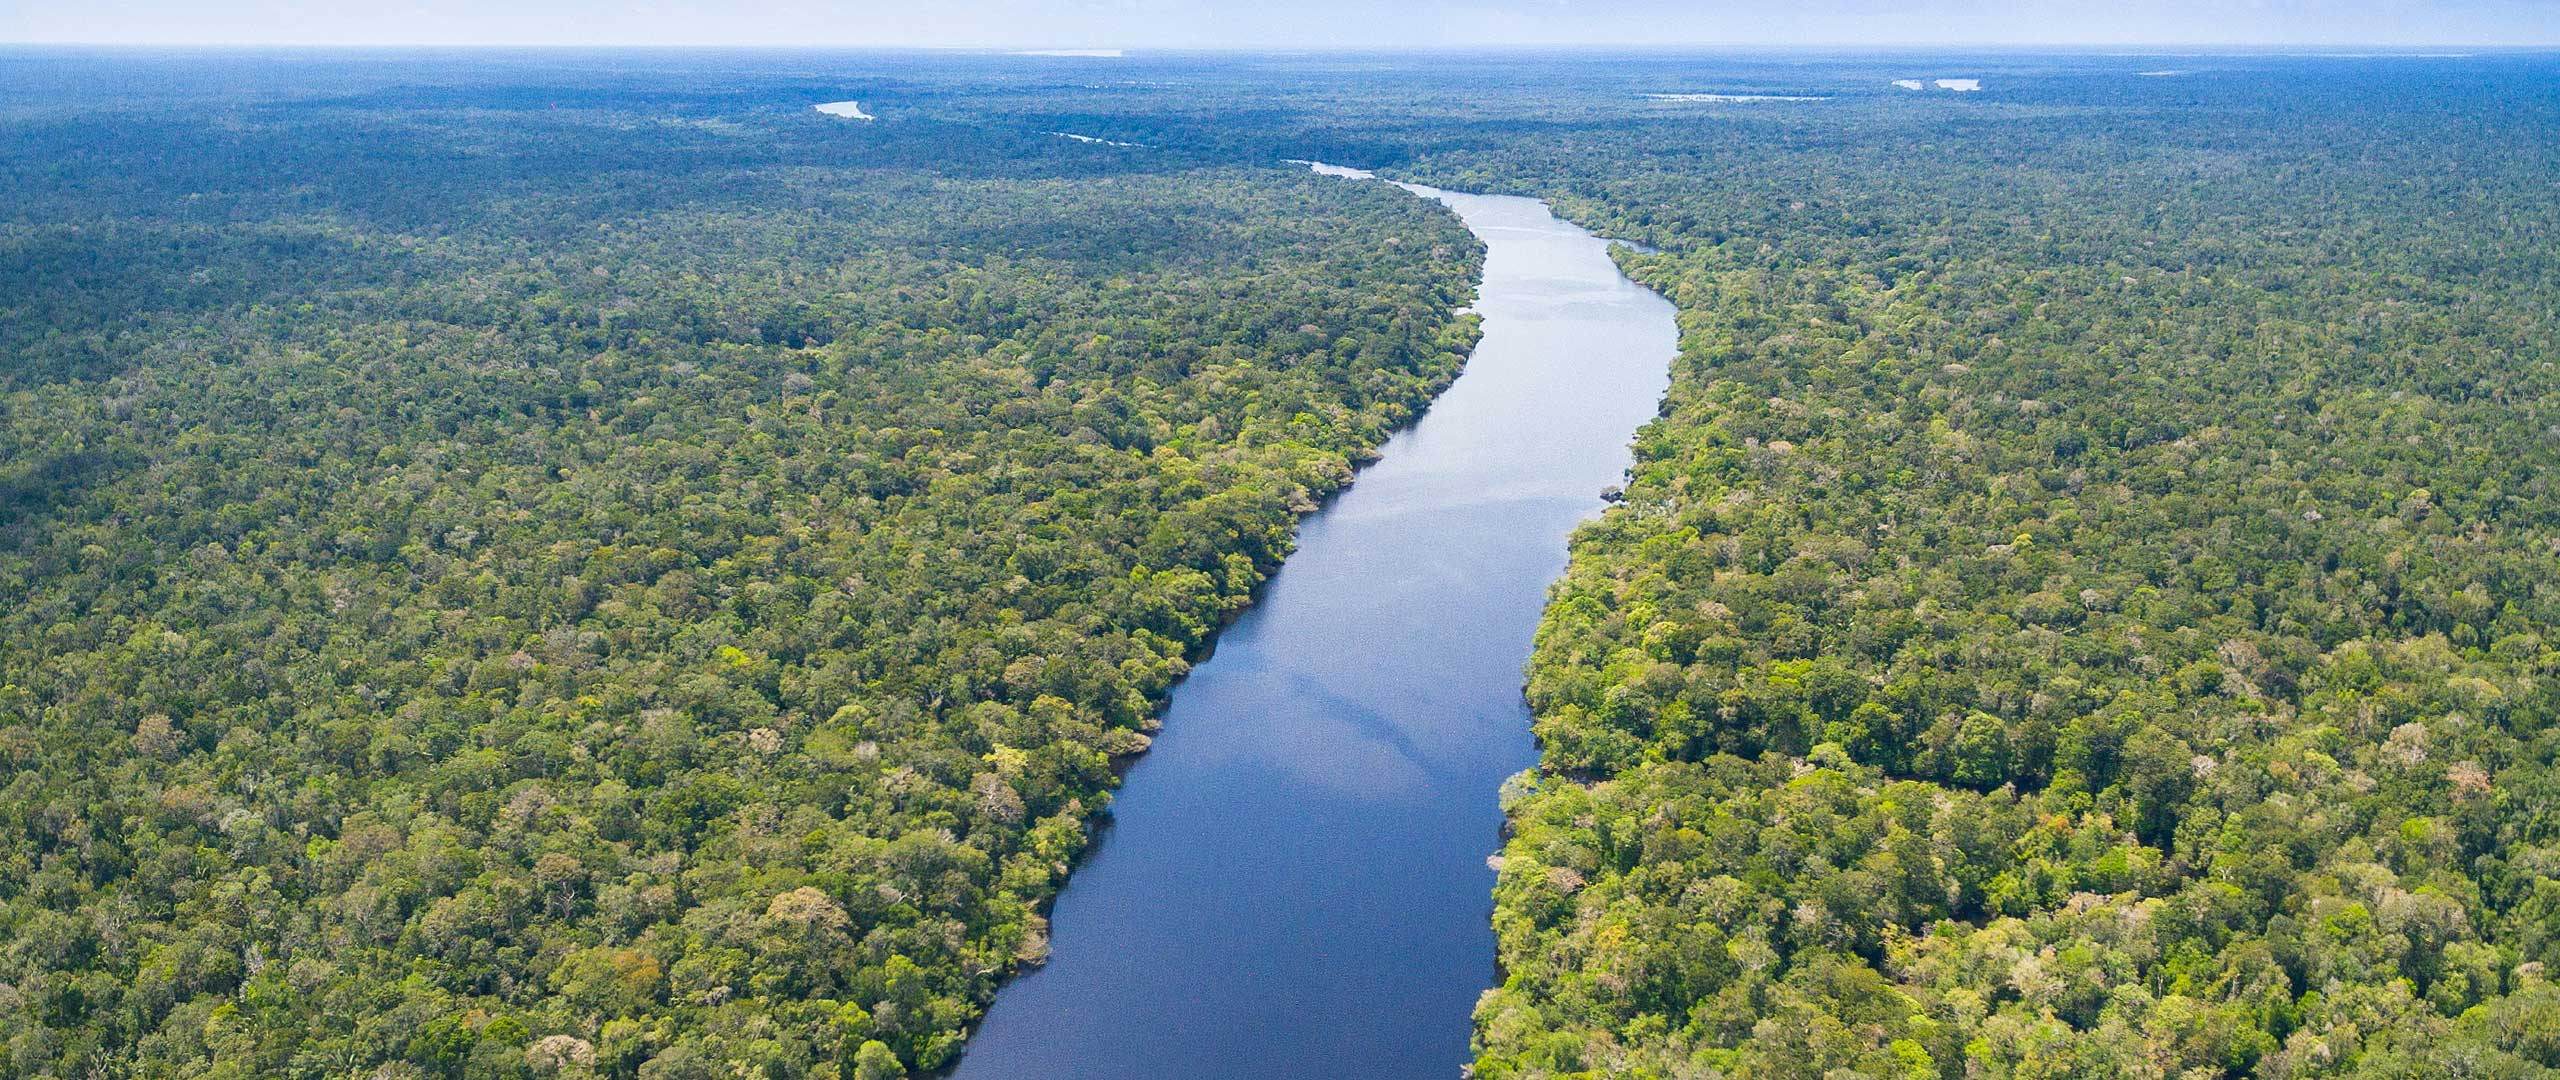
pixel 585 571
pixel 643 607
pixel 1321 800
pixel 2068 641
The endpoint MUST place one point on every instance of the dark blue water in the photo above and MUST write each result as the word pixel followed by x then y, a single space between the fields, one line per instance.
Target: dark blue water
pixel 1295 881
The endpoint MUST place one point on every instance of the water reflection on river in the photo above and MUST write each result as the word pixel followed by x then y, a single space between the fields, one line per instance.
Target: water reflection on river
pixel 1295 884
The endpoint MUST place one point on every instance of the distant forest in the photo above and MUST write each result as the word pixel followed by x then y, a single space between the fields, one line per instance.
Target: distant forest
pixel 581 565
pixel 2090 607
pixel 502 584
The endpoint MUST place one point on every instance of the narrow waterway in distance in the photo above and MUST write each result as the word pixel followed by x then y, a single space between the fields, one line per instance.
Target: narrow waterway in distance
pixel 1294 883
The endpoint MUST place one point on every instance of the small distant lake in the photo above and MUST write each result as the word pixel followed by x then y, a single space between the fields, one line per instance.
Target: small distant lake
pixel 850 110
pixel 1294 883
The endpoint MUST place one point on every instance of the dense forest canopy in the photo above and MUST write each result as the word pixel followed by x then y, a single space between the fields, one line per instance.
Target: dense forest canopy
pixel 2089 606
pixel 575 563
pixel 509 581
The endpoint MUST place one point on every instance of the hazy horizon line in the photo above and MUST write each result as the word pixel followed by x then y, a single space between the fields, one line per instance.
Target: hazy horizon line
pixel 1044 50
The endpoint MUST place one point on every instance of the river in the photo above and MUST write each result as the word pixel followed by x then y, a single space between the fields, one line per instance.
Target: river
pixel 1294 883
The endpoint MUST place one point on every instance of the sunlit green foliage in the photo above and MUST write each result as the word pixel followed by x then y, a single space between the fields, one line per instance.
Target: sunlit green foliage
pixel 516 574
pixel 499 593
pixel 2088 610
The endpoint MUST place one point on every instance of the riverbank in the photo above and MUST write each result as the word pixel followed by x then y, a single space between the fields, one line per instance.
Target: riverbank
pixel 1295 875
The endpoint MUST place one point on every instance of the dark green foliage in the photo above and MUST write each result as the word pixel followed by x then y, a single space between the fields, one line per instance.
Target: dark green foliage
pixel 2088 609
pixel 496 592
pixel 548 564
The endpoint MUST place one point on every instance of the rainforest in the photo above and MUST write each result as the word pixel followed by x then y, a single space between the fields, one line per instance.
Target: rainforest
pixel 582 563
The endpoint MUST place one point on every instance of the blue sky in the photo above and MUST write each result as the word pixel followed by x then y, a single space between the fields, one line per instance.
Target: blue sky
pixel 1283 23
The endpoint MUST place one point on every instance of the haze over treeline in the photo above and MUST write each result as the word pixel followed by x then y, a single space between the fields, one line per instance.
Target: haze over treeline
pixel 621 564
pixel 1315 24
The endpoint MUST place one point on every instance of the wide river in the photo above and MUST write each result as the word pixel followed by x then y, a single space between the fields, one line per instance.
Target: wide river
pixel 1294 883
